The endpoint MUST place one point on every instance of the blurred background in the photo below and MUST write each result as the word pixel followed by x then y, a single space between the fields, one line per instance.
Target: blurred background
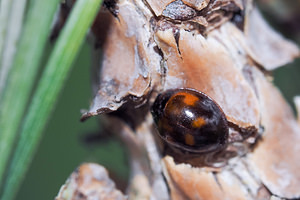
pixel 63 147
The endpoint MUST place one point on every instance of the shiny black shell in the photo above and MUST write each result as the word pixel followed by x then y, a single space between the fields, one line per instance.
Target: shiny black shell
pixel 190 120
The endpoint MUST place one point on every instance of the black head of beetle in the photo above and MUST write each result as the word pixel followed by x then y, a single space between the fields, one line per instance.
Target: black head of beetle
pixel 190 121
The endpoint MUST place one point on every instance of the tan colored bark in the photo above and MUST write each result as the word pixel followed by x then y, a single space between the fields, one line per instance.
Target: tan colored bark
pixel 90 181
pixel 152 46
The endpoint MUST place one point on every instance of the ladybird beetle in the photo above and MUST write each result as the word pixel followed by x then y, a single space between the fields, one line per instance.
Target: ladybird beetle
pixel 190 120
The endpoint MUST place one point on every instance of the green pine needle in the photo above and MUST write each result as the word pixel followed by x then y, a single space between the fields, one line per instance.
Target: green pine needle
pixel 47 92
pixel 20 80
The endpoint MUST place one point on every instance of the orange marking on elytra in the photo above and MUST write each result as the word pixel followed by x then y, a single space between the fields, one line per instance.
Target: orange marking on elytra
pixel 189 99
pixel 189 139
pixel 199 122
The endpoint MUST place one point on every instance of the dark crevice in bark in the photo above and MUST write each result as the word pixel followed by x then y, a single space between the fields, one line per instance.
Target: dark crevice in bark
pixel 240 179
pixel 217 180
pixel 111 5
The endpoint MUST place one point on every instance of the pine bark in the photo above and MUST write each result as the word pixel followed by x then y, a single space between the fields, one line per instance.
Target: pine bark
pixel 224 49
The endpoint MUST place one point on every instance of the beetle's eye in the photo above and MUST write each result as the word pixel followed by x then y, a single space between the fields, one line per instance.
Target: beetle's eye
pixel 190 120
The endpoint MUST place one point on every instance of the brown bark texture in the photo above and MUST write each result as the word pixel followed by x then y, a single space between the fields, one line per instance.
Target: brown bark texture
pixel 224 49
